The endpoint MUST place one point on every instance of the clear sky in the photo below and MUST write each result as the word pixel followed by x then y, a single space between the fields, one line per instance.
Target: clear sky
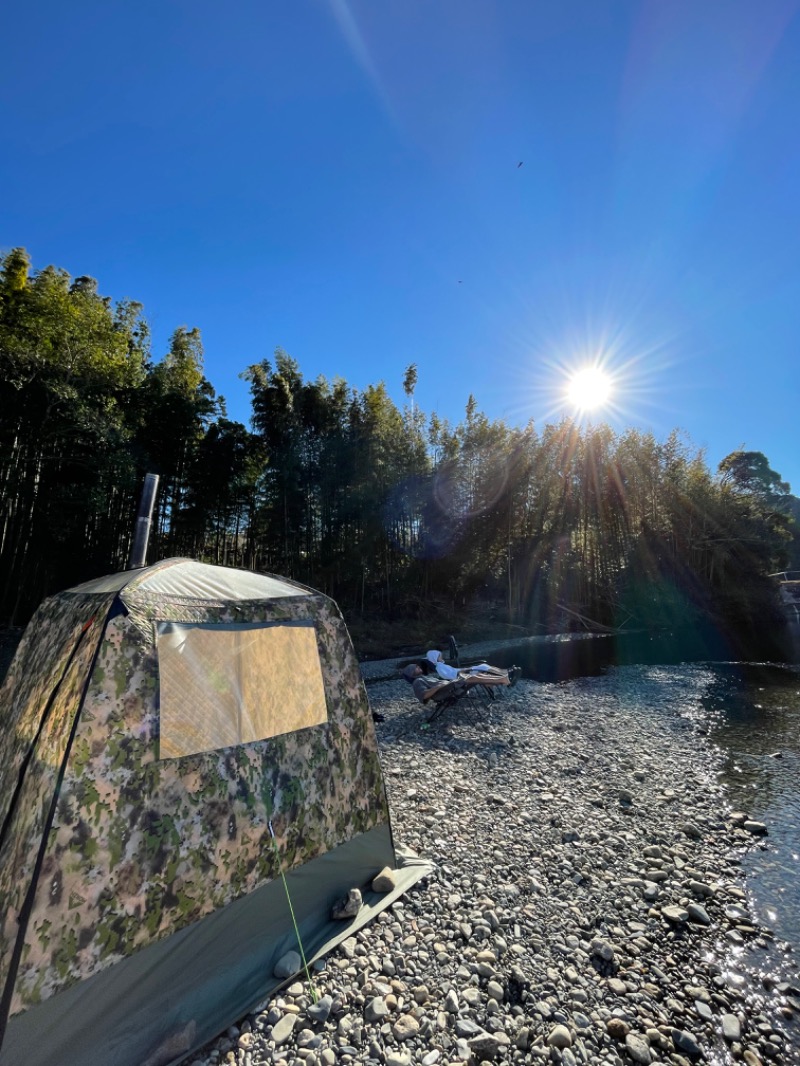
pixel 341 178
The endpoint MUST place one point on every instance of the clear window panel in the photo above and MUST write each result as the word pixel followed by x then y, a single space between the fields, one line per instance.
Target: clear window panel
pixel 226 685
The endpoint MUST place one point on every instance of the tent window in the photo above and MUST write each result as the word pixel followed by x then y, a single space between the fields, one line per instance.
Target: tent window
pixel 222 685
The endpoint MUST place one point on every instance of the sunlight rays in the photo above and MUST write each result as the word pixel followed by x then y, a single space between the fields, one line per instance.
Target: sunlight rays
pixel 598 373
pixel 354 39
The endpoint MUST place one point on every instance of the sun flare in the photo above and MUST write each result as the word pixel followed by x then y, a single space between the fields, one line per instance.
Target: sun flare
pixel 589 388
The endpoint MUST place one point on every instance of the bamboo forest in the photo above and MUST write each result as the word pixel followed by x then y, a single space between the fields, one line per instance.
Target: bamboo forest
pixel 388 509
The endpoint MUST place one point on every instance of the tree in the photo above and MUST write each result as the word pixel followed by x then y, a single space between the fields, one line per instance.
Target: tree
pixel 750 472
pixel 178 406
pixel 410 380
pixel 68 367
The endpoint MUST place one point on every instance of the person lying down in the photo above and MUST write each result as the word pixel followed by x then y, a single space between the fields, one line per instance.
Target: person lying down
pixel 452 673
pixel 427 685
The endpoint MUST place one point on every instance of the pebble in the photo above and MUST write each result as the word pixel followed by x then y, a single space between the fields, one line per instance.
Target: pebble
pixel 638 1049
pixel 560 1037
pixel 697 914
pixel 617 1028
pixel 282 1030
pixel 731 1029
pixel 676 915
pixel 756 828
pixel 386 881
pixel 287 965
pixel 685 1041
pixel 586 881
pixel 405 1027
pixel 319 1011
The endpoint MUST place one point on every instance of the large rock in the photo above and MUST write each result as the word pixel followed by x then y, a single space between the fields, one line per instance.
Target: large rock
pixel 467 1028
pixel 320 1010
pixel 617 1029
pixel 602 950
pixel 398 1058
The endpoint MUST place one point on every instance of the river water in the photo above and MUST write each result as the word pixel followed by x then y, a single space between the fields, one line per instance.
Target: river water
pixel 753 716
pixel 750 715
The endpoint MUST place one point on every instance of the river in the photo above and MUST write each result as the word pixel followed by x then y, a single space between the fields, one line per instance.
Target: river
pixel 753 716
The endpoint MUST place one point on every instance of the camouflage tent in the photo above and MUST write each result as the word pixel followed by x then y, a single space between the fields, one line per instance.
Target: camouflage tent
pixel 173 740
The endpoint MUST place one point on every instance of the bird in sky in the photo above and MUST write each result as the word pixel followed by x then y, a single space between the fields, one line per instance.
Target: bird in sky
pixel 519 165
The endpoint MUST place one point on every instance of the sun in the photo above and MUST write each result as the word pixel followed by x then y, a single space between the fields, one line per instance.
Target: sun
pixel 589 388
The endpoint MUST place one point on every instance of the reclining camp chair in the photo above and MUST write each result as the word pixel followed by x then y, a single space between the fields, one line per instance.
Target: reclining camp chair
pixel 451 693
pixel 448 693
pixel 474 667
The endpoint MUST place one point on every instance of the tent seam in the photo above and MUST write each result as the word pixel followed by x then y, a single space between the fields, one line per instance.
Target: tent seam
pixel 27 907
pixel 42 721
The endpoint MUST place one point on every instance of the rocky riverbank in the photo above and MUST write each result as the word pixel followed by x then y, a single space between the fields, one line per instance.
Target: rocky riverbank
pixel 585 908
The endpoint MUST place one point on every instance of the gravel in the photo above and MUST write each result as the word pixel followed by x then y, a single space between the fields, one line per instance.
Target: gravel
pixel 584 908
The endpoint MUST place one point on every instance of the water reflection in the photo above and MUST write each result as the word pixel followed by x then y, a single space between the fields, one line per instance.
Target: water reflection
pixel 754 715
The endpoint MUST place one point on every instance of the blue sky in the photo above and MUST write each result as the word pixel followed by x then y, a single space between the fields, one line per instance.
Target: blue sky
pixel 341 178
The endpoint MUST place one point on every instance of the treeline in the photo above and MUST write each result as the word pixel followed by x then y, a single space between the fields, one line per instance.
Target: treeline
pixel 392 511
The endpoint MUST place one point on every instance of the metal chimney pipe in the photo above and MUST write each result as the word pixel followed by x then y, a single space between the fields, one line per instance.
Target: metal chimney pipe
pixel 141 533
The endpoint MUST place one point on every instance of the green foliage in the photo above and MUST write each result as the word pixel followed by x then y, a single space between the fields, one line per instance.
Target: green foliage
pixel 395 513
pixel 82 412
pixel 750 472
pixel 15 270
pixel 410 380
